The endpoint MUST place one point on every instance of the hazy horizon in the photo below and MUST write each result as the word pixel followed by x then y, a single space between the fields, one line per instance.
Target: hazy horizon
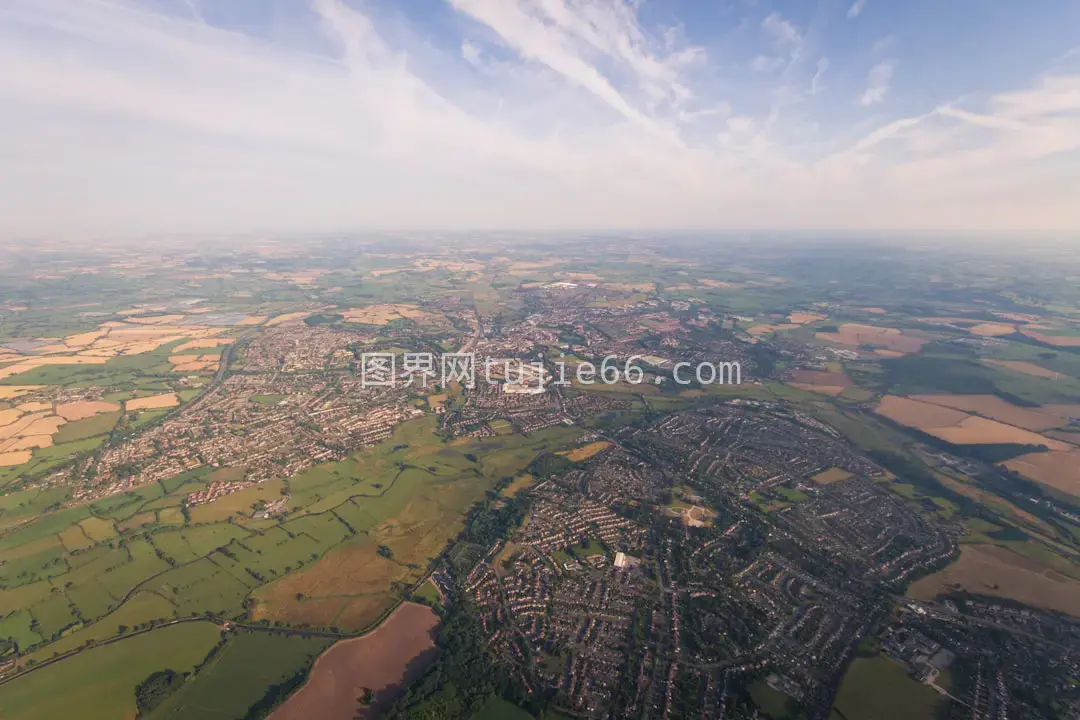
pixel 189 117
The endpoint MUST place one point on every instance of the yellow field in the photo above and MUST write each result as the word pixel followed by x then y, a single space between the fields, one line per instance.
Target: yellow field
pixel 854 334
pixel 518 484
pixel 10 459
pixel 383 314
pixel 36 362
pixel 82 410
pixel 203 343
pixel 8 392
pixel 354 574
pixel 801 318
pixel 156 320
pixel 1059 470
pixel 585 451
pixel 287 317
pixel 995 408
pixel 1056 340
pixel 1027 368
pixel 980 431
pixel 153 402
pixel 992 329
pixel 920 415
pixel 960 428
pixel 992 570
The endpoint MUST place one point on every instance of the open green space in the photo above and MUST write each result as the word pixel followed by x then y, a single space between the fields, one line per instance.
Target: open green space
pixel 878 688
pixel 100 682
pixel 240 676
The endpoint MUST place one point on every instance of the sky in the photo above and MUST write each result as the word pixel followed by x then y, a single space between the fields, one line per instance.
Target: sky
pixel 128 117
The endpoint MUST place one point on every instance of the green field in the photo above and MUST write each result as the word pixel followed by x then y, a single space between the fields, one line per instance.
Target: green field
pixel 499 709
pixel 239 676
pixel 878 688
pixel 100 682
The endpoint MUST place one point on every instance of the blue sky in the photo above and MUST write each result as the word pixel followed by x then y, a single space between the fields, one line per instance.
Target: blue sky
pixel 143 116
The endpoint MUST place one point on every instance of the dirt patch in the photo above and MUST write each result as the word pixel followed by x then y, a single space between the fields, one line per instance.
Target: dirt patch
pixel 82 410
pixel 153 402
pixel 382 661
pixel 9 416
pixel 1027 368
pixel 1059 470
pixel 992 570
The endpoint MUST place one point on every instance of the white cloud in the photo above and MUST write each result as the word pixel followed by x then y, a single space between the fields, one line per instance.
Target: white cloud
pixel 856 8
pixel 767 63
pixel 782 31
pixel 541 114
pixel 877 84
pixel 470 52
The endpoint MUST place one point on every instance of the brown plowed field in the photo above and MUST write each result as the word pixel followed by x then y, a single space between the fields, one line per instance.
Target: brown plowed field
pixel 381 661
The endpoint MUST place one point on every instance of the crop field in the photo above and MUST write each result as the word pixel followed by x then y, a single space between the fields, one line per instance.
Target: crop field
pixel 958 427
pixel 154 402
pixel 1059 470
pixel 238 676
pixel 585 452
pixel 1026 368
pixel 855 335
pixel 101 681
pixel 384 314
pixel 992 570
pixel 993 407
pixel 377 661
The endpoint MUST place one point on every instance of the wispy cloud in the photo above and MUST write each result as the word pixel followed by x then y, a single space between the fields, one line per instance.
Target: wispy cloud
pixel 856 9
pixel 877 84
pixel 822 66
pixel 535 113
pixel 782 31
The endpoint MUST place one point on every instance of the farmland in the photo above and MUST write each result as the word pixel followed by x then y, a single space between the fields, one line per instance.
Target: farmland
pixel 991 570
pixel 100 681
pixel 376 662
pixel 193 460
